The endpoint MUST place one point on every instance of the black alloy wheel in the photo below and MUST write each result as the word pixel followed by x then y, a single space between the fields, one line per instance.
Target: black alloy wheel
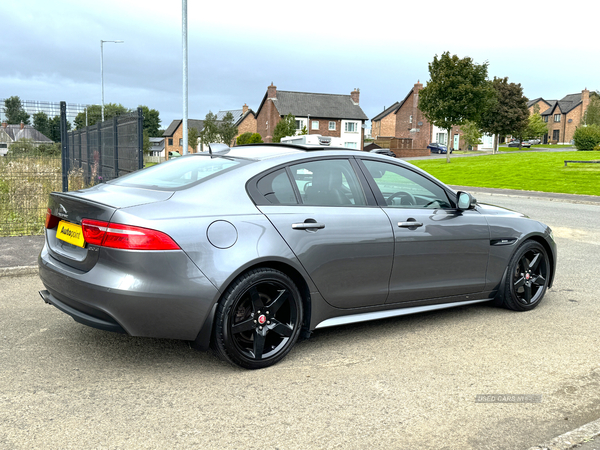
pixel 527 277
pixel 259 319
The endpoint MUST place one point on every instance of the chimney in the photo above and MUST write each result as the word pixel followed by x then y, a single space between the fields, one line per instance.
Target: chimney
pixel 272 91
pixel 585 99
pixel 244 109
pixel 22 125
pixel 4 125
pixel 354 95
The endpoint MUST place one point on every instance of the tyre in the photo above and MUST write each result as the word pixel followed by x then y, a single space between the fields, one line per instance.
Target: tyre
pixel 258 319
pixel 527 277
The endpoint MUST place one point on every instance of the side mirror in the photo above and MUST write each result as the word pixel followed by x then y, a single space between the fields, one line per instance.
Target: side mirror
pixel 465 200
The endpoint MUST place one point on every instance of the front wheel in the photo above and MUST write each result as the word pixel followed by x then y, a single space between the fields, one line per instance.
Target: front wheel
pixel 527 277
pixel 258 319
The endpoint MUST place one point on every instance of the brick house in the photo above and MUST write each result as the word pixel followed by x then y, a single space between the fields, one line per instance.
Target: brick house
pixel 244 119
pixel 563 116
pixel 334 115
pixel 174 136
pixel 404 120
pixel 12 133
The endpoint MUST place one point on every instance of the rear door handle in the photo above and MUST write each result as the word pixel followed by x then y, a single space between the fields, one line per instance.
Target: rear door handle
pixel 413 224
pixel 308 224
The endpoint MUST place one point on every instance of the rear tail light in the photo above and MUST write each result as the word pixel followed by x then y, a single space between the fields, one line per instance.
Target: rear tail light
pixel 51 221
pixel 115 235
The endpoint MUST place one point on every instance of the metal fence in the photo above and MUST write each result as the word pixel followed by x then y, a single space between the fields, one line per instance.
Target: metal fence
pixel 88 156
pixel 104 151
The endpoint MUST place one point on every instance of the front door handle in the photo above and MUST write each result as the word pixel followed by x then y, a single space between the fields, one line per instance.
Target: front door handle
pixel 308 224
pixel 410 224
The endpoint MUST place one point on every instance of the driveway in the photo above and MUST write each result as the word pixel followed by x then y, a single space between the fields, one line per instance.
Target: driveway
pixel 402 383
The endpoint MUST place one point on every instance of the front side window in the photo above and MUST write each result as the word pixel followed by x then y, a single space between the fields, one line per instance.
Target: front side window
pixel 181 142
pixel 330 182
pixel 403 188
pixel 315 125
pixel 331 126
pixel 170 141
pixel 557 117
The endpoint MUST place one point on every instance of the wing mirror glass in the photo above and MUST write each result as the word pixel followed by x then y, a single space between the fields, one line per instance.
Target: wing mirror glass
pixel 466 200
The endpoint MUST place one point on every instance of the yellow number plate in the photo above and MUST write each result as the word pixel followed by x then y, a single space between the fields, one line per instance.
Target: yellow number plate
pixel 71 233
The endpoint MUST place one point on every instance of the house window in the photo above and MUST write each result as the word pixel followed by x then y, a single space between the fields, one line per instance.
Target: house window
pixel 440 138
pixel 545 118
pixel 332 126
pixel 170 141
pixel 3 145
pixel 351 144
pixel 181 142
pixel 555 135
pixel 315 125
pixel 351 127
pixel 557 117
pixel 410 119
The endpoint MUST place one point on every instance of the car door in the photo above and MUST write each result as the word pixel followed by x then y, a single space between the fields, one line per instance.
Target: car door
pixel 333 225
pixel 440 251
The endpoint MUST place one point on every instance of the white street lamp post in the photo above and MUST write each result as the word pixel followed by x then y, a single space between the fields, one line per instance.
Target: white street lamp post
pixel 102 69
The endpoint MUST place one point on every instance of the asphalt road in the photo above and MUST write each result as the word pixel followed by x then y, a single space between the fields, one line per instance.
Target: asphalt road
pixel 403 383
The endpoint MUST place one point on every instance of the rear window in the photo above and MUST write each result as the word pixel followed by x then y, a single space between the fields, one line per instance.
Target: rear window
pixel 178 173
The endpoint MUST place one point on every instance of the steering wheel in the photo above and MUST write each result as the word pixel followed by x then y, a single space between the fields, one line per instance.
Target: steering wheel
pixel 411 199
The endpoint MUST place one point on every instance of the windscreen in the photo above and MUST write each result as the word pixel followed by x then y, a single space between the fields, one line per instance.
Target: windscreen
pixel 178 173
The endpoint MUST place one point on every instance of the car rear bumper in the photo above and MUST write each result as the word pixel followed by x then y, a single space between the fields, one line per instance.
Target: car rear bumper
pixel 162 295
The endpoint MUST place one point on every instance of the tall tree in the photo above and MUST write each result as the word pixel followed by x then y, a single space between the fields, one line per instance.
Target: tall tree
pixel 592 115
pixel 15 113
pixel 509 114
pixel 94 114
pixel 536 127
pixel 285 127
pixel 193 138
pixel 210 130
pixel 41 122
pixel 227 129
pixel 151 121
pixel 54 125
pixel 457 91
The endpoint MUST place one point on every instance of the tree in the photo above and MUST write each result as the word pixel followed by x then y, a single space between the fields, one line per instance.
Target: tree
pixel 536 127
pixel 151 121
pixel 592 115
pixel 458 91
pixel 210 131
pixel 15 113
pixel 471 134
pixel 193 138
pixel 94 114
pixel 227 129
pixel 41 122
pixel 54 126
pixel 285 127
pixel 509 114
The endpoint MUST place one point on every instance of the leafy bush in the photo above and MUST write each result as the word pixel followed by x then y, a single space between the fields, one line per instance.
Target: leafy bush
pixel 249 138
pixel 587 138
pixel 50 149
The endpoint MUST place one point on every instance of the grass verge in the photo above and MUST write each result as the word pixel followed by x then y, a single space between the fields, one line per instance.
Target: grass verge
pixel 536 171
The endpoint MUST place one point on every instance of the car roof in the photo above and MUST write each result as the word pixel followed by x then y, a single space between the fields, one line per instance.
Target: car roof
pixel 271 150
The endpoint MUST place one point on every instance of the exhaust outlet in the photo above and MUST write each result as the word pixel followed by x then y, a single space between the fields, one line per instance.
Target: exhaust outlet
pixel 45 295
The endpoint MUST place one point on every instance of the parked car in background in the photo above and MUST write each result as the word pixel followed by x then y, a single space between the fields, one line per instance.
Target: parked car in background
pixel 517 143
pixel 248 249
pixel 174 154
pixel 384 151
pixel 534 141
pixel 436 147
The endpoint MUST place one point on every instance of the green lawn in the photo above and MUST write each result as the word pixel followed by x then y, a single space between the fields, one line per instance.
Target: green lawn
pixel 536 171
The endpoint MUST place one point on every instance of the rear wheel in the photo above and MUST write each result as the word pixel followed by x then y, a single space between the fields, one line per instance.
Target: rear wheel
pixel 259 319
pixel 527 277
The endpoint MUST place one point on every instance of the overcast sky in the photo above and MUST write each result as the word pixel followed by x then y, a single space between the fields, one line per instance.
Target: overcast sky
pixel 50 49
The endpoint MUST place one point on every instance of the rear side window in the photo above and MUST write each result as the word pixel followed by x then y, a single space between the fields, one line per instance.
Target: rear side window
pixel 177 173
pixel 277 189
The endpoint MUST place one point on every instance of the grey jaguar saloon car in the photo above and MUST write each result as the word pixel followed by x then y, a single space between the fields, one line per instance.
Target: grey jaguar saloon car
pixel 248 249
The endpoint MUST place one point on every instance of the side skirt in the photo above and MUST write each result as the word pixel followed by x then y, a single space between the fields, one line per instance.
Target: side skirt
pixel 376 315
